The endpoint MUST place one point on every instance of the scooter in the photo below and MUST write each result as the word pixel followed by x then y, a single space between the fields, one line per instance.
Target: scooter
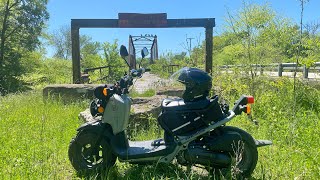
pixel 195 133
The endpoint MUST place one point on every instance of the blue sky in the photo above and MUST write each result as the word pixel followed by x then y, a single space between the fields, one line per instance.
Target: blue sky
pixel 169 39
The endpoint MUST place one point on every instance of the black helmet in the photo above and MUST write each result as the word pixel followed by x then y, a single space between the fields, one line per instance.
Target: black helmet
pixel 198 83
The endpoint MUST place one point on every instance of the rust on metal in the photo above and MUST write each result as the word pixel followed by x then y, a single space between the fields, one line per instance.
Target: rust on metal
pixel 137 20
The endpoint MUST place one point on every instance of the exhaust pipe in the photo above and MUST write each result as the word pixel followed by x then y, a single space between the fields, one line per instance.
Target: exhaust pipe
pixel 205 157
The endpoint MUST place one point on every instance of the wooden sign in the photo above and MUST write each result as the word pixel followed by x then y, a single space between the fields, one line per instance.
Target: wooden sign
pixel 136 20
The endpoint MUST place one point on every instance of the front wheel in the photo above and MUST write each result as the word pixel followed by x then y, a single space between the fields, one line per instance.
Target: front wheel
pixel 89 155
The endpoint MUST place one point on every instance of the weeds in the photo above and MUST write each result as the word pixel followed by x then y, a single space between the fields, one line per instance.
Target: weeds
pixel 35 135
pixel 294 153
pixel 147 93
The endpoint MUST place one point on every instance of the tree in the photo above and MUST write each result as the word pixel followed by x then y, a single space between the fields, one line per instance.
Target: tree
pixel 265 38
pixel 20 26
pixel 61 40
pixel 111 55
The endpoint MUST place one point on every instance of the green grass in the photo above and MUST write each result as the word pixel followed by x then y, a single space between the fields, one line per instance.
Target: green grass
pixel 293 126
pixel 147 93
pixel 35 135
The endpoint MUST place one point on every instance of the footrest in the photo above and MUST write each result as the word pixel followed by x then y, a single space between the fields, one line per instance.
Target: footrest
pixel 260 143
pixel 158 142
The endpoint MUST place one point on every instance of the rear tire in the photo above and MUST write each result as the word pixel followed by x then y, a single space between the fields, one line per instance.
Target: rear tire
pixel 244 157
pixel 88 156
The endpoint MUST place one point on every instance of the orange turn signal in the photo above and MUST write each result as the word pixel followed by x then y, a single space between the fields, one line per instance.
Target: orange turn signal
pixel 100 109
pixel 248 109
pixel 105 91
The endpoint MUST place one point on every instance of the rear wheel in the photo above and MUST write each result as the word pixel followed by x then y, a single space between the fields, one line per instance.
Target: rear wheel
pixel 89 155
pixel 244 156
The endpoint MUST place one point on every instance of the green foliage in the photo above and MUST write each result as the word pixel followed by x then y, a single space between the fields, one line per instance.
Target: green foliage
pixel 36 135
pixel 294 152
pixel 112 57
pixel 310 51
pixel 147 93
pixel 256 35
pixel 60 40
pixel 36 126
pixel 92 60
pixel 49 71
pixel 160 66
pixel 57 71
pixel 20 26
pixel 41 71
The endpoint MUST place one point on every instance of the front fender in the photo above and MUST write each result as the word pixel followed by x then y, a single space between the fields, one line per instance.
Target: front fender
pixel 97 127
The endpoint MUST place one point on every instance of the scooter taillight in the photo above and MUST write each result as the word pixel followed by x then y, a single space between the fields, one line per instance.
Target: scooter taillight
pixel 250 99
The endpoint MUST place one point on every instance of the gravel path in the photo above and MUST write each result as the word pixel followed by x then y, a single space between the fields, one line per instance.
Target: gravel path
pixel 148 81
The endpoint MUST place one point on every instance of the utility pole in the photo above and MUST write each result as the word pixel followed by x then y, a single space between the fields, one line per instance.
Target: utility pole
pixel 189 48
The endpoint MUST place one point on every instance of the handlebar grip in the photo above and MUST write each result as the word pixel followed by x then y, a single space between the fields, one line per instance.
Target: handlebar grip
pixel 147 69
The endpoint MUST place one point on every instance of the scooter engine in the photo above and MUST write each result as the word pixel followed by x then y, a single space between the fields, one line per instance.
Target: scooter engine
pixel 200 155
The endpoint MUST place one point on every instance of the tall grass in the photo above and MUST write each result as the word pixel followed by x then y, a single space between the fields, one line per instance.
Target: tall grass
pixel 294 131
pixel 35 135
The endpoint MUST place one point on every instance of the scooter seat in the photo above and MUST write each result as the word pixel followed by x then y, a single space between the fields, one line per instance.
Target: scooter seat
pixel 180 105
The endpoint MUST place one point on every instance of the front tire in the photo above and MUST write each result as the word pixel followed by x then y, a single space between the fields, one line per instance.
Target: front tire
pixel 88 156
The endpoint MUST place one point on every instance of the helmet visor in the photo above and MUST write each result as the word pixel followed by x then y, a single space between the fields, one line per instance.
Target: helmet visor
pixel 180 75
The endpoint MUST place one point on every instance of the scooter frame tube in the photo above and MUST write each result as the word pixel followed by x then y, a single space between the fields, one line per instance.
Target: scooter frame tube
pixel 183 141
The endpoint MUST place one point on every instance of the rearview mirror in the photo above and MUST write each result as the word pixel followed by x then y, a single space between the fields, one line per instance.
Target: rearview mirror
pixel 123 51
pixel 144 52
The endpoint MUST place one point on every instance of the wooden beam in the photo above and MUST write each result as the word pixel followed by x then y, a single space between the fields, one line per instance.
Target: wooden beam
pixel 114 23
pixel 200 22
pixel 209 48
pixel 75 55
pixel 76 24
pixel 95 23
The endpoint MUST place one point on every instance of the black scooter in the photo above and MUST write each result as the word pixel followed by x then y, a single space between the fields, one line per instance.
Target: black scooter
pixel 195 132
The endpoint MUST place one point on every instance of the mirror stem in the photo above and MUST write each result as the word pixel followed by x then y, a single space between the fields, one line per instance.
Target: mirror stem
pixel 126 62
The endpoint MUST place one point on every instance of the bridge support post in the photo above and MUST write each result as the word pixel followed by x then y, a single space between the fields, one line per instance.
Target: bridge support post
pixel 261 69
pixel 280 69
pixel 75 54
pixel 305 71
pixel 209 47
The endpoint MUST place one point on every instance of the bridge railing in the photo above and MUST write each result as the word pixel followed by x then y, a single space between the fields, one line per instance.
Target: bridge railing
pixel 280 68
pixel 103 75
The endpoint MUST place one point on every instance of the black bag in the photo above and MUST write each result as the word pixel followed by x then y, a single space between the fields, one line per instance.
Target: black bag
pixel 184 118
